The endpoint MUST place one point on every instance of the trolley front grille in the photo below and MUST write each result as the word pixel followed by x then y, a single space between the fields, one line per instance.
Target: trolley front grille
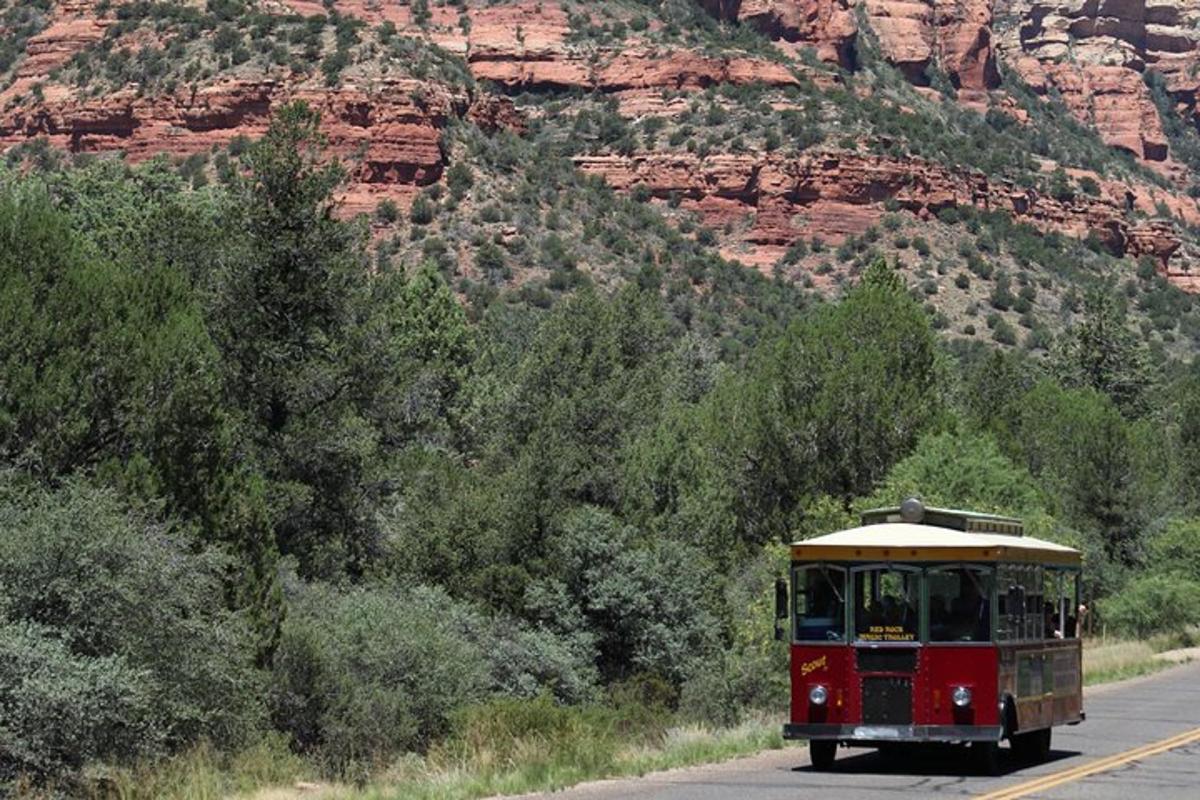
pixel 887 660
pixel 887 701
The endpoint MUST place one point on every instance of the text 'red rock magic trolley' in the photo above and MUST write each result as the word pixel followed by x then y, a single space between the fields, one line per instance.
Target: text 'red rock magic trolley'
pixel 932 625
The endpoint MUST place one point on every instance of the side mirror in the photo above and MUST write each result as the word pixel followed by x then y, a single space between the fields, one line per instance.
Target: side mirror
pixel 781 607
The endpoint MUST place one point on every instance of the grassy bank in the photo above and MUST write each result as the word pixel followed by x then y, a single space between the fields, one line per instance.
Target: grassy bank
pixel 514 747
pixel 1118 661
pixel 1105 661
pixel 509 748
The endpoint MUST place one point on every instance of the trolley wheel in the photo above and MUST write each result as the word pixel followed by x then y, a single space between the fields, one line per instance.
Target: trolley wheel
pixel 986 756
pixel 1033 747
pixel 821 753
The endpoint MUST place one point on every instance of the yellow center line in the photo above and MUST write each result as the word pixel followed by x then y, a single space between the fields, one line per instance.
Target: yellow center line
pixel 1092 767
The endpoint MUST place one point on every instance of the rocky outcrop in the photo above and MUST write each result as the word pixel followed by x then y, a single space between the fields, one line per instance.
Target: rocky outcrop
pixel 833 195
pixel 912 34
pixel 391 128
pixel 1091 53
pixel 527 46
pixel 826 25
pixel 1094 53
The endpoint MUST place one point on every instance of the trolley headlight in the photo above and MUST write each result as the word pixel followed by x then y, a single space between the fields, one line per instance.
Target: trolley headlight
pixel 818 695
pixel 961 696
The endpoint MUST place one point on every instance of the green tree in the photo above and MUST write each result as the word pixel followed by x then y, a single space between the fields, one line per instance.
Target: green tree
pixel 423 348
pixel 129 385
pixel 1100 352
pixel 957 470
pixel 1176 550
pixel 290 322
pixel 1076 443
pixel 826 407
pixel 1151 604
pixel 645 602
pixel 117 641
pixel 366 674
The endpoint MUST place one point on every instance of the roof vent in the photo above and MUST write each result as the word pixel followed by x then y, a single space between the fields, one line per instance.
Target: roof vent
pixel 912 510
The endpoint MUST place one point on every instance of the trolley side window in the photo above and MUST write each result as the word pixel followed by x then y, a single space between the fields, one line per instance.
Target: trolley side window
pixel 887 604
pixel 1022 607
pixel 820 603
pixel 960 607
pixel 1062 603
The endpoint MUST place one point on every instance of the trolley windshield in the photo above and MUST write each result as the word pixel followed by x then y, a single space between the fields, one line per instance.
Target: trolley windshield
pixel 887 604
pixel 820 603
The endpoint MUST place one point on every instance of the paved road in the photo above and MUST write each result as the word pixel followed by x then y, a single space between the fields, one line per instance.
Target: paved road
pixel 1120 717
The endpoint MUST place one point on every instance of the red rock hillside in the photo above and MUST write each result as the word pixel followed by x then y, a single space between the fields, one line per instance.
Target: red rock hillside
pixel 180 79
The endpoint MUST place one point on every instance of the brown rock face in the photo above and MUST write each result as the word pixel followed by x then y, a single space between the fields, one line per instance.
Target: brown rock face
pixel 393 125
pixel 1094 54
pixel 912 33
pixel 521 46
pixel 525 47
pixel 965 42
pixel 833 195
pixel 827 25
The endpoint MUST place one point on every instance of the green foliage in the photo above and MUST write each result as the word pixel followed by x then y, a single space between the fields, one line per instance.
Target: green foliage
pixel 874 381
pixel 85 343
pixel 1153 604
pixel 1077 443
pixel 959 470
pixel 422 210
pixel 291 318
pixel 824 408
pixel 387 212
pixel 364 674
pixel 589 464
pixel 117 641
pixel 644 603
pixel 459 179
pixel 63 710
pixel 1176 550
pixel 750 672
pixel 1099 352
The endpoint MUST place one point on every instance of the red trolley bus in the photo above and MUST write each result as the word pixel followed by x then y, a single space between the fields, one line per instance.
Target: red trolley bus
pixel 932 625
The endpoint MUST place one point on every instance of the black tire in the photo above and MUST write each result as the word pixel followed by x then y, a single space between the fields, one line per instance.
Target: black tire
pixel 986 756
pixel 821 753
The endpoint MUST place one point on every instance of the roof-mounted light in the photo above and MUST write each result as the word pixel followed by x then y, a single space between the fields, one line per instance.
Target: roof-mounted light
pixel 912 510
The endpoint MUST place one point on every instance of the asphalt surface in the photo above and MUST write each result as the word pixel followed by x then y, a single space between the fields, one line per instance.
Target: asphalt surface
pixel 1120 717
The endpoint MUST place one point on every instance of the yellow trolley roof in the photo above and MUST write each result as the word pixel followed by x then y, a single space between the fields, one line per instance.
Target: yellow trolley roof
pixel 905 541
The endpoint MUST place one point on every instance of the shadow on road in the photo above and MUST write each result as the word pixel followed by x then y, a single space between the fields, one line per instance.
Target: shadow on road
pixel 926 760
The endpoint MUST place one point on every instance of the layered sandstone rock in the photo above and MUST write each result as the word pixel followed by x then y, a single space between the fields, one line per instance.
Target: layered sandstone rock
pixel 527 46
pixel 834 195
pixel 912 34
pixel 827 25
pixel 391 128
pixel 1094 54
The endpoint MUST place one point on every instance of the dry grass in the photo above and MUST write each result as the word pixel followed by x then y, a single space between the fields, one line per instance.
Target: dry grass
pixel 1104 662
pixel 482 766
pixel 527 764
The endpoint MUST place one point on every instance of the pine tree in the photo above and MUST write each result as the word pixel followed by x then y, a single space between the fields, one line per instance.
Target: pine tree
pixel 1101 353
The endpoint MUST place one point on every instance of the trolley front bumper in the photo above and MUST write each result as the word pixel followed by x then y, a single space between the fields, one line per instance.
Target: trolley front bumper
pixel 895 733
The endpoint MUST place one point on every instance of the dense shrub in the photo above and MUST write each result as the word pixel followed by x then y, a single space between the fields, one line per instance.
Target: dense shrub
pixel 63 710
pixel 116 641
pixel 750 672
pixel 1152 604
pixel 1176 550
pixel 959 470
pixel 364 674
pixel 645 603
